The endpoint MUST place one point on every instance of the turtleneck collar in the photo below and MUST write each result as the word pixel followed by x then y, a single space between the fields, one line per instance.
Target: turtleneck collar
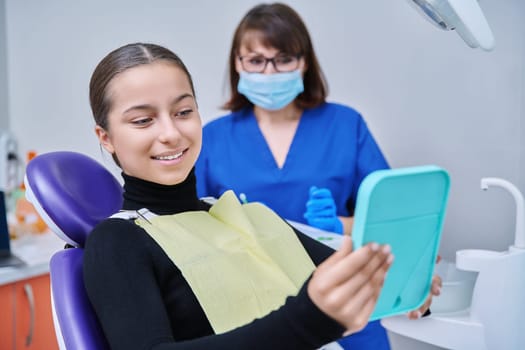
pixel 161 199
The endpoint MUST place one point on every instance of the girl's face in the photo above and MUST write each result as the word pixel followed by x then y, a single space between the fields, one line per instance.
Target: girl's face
pixel 154 127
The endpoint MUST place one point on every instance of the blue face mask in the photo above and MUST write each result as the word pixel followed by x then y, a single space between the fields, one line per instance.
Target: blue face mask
pixel 271 91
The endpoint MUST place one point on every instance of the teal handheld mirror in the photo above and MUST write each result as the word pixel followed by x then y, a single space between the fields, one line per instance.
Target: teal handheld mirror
pixel 404 208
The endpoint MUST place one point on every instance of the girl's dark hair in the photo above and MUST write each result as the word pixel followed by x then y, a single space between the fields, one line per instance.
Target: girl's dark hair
pixel 278 25
pixel 118 61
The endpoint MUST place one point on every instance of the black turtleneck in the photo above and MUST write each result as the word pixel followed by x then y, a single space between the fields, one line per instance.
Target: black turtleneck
pixel 143 302
pixel 161 199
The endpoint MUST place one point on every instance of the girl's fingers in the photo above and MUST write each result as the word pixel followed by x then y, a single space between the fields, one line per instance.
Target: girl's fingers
pixel 359 308
pixel 364 261
pixel 344 302
pixel 346 246
pixel 346 286
pixel 361 319
pixel 344 250
pixel 365 275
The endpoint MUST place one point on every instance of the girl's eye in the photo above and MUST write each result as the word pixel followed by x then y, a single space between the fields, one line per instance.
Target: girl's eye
pixel 142 121
pixel 184 113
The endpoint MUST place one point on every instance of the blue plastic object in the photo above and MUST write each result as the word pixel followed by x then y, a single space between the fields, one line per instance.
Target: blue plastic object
pixel 404 208
pixel 321 211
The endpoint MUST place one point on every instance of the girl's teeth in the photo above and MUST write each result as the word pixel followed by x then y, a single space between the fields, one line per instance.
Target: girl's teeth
pixel 175 156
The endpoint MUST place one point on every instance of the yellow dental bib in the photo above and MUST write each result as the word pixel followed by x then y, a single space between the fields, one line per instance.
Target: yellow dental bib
pixel 241 261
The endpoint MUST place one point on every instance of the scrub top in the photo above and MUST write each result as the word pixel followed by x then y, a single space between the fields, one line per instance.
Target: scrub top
pixel 332 148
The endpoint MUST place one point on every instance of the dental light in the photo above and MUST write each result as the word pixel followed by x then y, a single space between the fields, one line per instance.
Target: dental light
pixel 463 16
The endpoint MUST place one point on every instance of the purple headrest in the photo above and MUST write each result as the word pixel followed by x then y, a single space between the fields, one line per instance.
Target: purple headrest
pixel 74 191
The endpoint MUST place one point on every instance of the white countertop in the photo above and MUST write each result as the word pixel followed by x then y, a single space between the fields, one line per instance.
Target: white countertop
pixel 36 251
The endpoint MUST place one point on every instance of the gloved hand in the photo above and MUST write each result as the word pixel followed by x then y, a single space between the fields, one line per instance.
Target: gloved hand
pixel 321 210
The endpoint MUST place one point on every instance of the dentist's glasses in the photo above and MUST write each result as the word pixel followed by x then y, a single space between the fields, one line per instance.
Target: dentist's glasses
pixel 258 63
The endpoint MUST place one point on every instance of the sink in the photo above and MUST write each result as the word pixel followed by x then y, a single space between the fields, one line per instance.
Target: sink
pixel 456 292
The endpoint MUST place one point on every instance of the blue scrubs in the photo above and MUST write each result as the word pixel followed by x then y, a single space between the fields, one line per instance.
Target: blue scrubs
pixel 332 148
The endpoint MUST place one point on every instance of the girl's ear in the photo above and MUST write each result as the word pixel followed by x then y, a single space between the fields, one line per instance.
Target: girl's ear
pixel 104 139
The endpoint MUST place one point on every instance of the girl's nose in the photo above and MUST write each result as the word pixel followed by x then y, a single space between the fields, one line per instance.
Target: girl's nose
pixel 169 131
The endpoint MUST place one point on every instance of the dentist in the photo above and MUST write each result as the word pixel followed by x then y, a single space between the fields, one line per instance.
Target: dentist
pixel 283 144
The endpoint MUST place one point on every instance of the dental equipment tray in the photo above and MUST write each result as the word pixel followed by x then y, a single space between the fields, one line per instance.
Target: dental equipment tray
pixel 404 208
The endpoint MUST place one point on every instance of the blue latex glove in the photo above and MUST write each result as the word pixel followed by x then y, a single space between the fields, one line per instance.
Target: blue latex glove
pixel 321 210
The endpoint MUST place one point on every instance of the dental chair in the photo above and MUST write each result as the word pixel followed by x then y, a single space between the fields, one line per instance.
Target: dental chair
pixel 72 193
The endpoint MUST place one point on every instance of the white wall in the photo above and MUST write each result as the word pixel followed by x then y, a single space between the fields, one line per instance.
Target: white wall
pixel 4 119
pixel 427 97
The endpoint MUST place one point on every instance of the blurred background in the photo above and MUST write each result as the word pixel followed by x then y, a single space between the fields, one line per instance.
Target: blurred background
pixel 427 97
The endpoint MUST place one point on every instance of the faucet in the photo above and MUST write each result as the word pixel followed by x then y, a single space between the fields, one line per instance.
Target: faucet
pixel 486 182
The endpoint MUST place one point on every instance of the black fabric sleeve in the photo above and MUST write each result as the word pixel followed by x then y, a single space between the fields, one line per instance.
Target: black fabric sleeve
pixel 298 324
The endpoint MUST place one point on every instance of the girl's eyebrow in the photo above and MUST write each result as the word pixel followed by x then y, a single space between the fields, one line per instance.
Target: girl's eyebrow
pixel 148 107
pixel 138 108
pixel 182 97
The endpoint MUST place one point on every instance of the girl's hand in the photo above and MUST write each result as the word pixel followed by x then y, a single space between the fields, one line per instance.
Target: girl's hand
pixel 346 286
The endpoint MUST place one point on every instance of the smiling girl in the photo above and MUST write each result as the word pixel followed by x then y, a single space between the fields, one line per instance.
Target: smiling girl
pixel 172 272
